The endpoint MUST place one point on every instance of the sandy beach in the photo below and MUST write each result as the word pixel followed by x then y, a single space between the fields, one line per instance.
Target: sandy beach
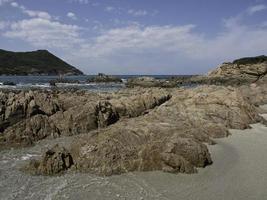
pixel 239 171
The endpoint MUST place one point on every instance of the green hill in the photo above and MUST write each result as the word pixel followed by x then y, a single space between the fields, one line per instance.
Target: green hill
pixel 251 60
pixel 40 62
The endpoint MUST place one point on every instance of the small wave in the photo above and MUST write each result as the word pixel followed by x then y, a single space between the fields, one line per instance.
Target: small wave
pixel 30 85
pixel 124 80
pixel 70 84
pixel 7 86
pixel 27 156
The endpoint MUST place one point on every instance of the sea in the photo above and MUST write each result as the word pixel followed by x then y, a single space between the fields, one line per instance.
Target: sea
pixel 42 82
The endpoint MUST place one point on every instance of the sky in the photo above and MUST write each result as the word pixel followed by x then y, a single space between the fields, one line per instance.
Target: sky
pixel 137 36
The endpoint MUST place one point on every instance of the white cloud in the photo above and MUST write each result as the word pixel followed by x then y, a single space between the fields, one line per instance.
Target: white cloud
pixel 110 8
pixel 257 8
pixel 71 15
pixel 38 14
pixel 32 13
pixel 136 38
pixel 160 48
pixel 84 2
pixel 144 49
pixel 44 33
pixel 137 13
pixel 80 1
pixel 14 4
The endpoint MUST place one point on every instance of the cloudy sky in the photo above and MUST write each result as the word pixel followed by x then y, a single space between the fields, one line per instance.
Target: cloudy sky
pixel 137 36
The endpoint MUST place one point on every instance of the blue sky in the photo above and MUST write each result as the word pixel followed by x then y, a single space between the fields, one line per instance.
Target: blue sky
pixel 137 36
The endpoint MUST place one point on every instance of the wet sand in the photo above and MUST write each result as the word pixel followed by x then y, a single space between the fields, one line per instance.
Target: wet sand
pixel 239 171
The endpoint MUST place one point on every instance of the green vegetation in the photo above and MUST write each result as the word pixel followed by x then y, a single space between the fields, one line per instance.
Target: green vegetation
pixel 40 62
pixel 251 60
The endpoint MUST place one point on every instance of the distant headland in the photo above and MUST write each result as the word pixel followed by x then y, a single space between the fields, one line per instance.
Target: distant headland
pixel 40 62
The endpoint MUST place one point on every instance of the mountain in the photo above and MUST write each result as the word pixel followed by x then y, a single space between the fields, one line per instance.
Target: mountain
pixel 40 62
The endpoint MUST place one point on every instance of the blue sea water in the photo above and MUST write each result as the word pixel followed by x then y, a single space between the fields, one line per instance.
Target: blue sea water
pixel 28 82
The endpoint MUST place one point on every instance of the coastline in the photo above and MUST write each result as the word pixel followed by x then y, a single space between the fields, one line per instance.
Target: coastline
pixel 238 172
pixel 110 145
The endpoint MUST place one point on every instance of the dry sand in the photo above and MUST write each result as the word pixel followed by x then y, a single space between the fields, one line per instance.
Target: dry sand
pixel 239 172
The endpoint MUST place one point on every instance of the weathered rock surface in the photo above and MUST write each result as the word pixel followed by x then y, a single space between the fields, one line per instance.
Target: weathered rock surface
pixel 171 137
pixel 253 69
pixel 138 129
pixel 148 82
pixel 38 116
pixel 213 80
pixel 244 71
pixel 54 161
pixel 15 107
pixel 28 131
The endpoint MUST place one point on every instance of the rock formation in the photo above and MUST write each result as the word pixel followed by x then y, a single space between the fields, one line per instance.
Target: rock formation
pixel 103 78
pixel 170 137
pixel 137 129
pixel 27 117
pixel 54 161
pixel 148 82
pixel 253 68
pixel 239 72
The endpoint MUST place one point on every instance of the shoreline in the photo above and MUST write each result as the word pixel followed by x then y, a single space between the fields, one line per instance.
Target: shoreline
pixel 145 117
pixel 231 176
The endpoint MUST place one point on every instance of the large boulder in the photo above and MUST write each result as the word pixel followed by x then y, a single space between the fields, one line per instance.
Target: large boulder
pixel 54 161
pixel 76 120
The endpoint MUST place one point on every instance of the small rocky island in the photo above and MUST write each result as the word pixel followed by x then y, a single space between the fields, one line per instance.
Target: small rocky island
pixel 103 78
pixel 137 128
pixel 40 62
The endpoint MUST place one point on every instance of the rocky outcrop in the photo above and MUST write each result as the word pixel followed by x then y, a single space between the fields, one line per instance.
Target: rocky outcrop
pixel 213 80
pixel 103 78
pixel 28 131
pixel 9 83
pixel 143 82
pixel 54 161
pixel 253 69
pixel 148 82
pixel 243 71
pixel 171 137
pixel 15 107
pixel 49 115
